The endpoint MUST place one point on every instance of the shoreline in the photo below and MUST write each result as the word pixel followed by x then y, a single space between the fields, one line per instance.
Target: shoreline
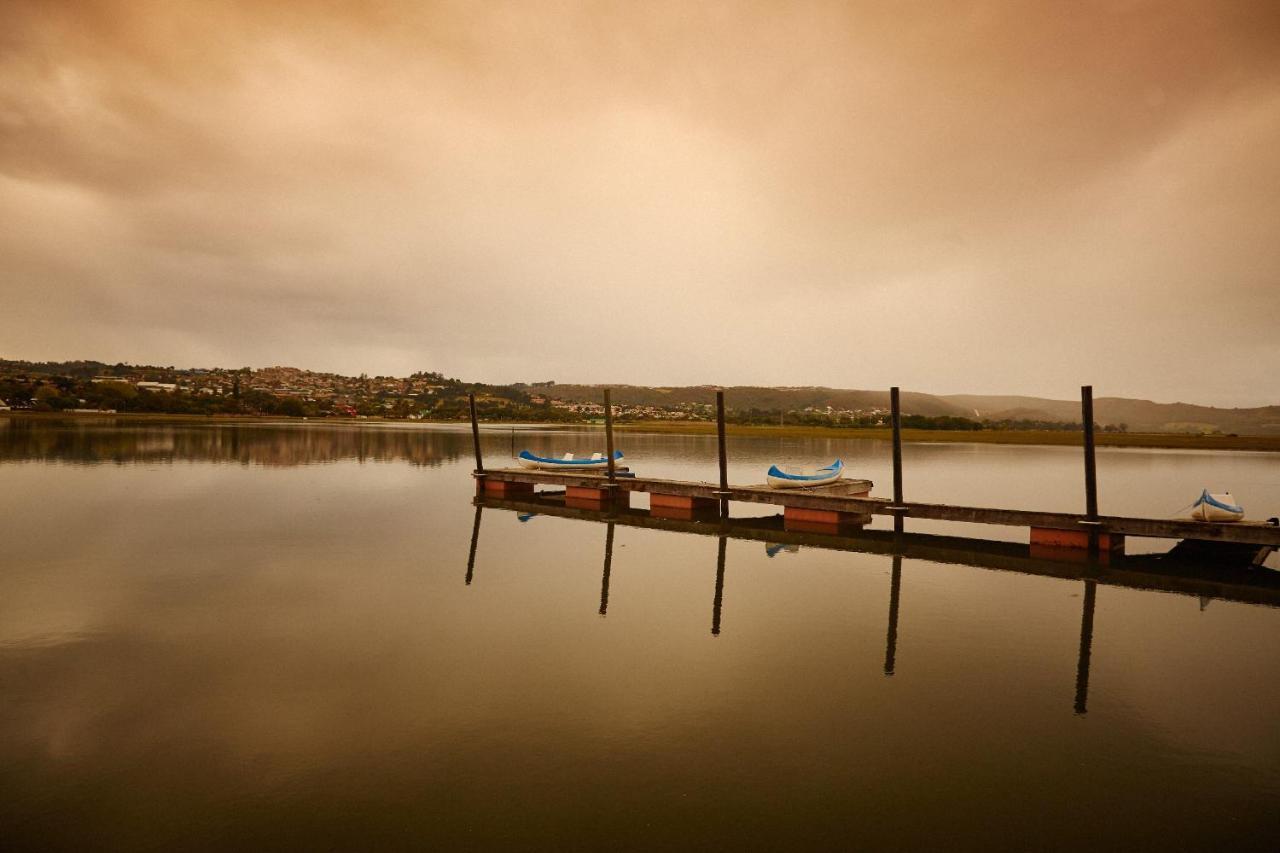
pixel 1047 438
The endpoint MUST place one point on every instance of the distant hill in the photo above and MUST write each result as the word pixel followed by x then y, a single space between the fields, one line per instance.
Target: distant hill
pixel 1137 415
pixel 759 397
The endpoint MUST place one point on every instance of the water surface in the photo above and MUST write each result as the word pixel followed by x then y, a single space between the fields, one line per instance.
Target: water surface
pixel 238 637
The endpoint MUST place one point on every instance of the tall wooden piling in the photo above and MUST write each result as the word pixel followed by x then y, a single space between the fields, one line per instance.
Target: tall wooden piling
pixel 895 409
pixel 1090 465
pixel 724 455
pixel 475 432
pixel 608 434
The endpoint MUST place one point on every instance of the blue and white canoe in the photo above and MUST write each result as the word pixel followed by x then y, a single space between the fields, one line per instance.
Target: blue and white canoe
pixel 1219 507
pixel 568 461
pixel 782 478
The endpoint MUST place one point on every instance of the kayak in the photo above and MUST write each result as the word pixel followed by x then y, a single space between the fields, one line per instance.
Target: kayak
pixel 1219 507
pixel 549 463
pixel 781 478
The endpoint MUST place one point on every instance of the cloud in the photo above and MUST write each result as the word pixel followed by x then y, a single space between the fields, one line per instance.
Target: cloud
pixel 993 197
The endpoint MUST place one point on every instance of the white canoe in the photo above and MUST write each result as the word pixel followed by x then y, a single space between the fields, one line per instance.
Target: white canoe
pixel 568 461
pixel 783 478
pixel 1216 507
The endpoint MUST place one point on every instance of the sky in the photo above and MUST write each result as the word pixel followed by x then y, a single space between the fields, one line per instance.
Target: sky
pixel 953 197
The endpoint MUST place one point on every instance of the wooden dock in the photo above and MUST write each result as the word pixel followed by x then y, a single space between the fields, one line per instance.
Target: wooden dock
pixel 830 500
pixel 848 504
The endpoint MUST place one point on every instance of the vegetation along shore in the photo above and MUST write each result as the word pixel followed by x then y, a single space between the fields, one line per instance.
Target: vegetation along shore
pixel 1173 441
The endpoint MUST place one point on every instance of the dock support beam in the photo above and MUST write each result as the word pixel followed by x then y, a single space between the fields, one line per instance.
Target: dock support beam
pixel 895 409
pixel 724 457
pixel 682 507
pixel 1048 542
pixel 589 497
pixel 802 520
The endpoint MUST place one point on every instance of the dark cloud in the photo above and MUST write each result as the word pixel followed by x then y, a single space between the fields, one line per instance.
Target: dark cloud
pixel 971 197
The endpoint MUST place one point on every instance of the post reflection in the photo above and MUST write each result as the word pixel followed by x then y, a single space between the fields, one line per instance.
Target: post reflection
pixel 891 640
pixel 475 540
pixel 608 564
pixel 1140 572
pixel 1086 648
pixel 719 597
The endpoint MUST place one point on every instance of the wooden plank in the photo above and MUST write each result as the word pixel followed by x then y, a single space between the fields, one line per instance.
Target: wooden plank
pixel 1257 533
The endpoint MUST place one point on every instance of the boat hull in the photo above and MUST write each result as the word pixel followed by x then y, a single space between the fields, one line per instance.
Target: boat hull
pixel 542 463
pixel 1216 508
pixel 779 479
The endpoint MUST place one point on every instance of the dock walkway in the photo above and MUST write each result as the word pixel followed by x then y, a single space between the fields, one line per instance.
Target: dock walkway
pixel 844 499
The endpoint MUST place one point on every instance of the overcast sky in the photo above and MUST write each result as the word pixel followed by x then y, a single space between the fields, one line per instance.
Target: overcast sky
pixel 952 197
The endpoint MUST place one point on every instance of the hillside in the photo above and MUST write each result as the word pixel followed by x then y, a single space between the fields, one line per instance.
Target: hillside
pixel 742 397
pixel 1136 415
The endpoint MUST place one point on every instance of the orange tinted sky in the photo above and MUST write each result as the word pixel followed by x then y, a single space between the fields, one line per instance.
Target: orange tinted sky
pixel 982 197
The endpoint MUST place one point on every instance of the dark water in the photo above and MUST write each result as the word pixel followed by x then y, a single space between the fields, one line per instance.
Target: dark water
pixel 235 637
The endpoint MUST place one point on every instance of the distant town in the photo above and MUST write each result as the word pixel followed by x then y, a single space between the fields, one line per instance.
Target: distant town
pixel 97 387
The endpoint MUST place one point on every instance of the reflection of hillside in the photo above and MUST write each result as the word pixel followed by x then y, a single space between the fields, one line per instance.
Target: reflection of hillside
pixel 246 444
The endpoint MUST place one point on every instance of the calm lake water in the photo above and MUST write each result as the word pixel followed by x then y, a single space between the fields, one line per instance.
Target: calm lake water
pixel 267 637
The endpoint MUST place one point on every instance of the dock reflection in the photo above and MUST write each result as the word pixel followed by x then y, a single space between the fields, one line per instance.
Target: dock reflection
pixel 1254 587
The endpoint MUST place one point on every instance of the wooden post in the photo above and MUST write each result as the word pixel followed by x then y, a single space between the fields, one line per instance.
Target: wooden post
pixel 895 408
pixel 608 566
pixel 1086 648
pixel 891 640
pixel 475 540
pixel 724 456
pixel 1090 465
pixel 719 597
pixel 475 433
pixel 608 434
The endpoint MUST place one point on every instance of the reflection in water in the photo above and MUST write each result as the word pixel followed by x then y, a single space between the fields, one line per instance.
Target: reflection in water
pixel 608 564
pixel 100 440
pixel 1086 648
pixel 719 597
pixel 756 528
pixel 475 540
pixel 891 639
